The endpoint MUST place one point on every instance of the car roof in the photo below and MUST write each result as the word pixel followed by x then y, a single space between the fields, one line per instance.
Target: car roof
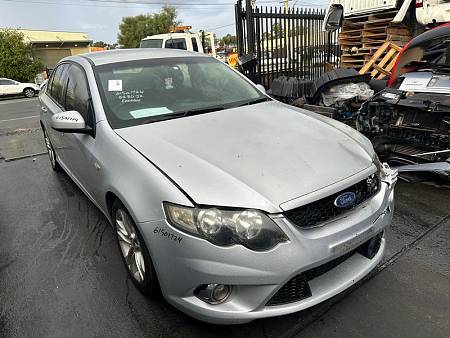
pixel 123 55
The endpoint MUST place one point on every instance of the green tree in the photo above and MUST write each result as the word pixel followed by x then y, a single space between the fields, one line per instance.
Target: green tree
pixel 100 44
pixel 227 40
pixel 277 31
pixel 16 61
pixel 134 28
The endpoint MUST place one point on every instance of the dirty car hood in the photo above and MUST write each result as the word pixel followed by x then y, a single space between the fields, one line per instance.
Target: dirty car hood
pixel 256 156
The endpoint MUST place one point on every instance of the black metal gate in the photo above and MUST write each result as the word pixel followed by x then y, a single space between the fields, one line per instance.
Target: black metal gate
pixel 285 42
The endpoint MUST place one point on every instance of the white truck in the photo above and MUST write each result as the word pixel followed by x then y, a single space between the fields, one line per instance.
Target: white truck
pixel 182 38
pixel 427 12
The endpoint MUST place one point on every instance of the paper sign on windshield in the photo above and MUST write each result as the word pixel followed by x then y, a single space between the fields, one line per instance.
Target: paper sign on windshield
pixel 115 85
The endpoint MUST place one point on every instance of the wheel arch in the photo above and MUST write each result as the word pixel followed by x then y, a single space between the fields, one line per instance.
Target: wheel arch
pixel 109 200
pixel 23 91
pixel 112 195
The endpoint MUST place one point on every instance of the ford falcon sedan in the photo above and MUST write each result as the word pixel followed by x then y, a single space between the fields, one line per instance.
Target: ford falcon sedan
pixel 231 205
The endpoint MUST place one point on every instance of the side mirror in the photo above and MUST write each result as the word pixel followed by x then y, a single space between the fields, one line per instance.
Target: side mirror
pixel 70 122
pixel 261 88
pixel 333 18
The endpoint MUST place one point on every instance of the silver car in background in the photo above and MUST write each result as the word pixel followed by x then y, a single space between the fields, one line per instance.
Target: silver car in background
pixel 233 205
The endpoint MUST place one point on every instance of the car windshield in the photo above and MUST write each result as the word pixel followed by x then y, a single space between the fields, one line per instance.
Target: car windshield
pixel 146 91
pixel 151 43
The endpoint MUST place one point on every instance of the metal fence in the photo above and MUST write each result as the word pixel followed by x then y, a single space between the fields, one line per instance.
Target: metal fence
pixel 286 42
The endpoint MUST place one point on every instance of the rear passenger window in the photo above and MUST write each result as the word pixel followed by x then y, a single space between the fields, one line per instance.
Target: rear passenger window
pixel 176 44
pixel 194 45
pixel 77 94
pixel 58 82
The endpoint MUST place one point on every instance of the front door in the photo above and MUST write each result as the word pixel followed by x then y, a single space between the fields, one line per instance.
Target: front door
pixel 79 149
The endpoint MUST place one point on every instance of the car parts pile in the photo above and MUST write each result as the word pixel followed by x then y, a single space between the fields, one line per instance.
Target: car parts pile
pixel 338 93
pixel 287 89
pixel 409 121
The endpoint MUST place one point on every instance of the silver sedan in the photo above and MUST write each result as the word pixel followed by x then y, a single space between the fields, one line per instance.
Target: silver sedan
pixel 232 205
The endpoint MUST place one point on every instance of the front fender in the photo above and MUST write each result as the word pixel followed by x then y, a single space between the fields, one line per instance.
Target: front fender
pixel 139 184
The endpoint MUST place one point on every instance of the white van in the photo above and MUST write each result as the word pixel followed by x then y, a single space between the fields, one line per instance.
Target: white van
pixel 186 41
pixel 427 11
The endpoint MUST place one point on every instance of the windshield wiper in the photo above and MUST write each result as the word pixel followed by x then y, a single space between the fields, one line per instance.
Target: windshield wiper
pixel 202 110
pixel 199 111
pixel 255 101
pixel 163 117
pixel 170 116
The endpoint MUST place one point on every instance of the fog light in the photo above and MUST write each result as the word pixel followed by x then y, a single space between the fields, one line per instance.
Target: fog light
pixel 213 293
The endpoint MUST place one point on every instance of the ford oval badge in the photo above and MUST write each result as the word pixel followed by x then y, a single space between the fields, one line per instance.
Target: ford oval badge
pixel 345 200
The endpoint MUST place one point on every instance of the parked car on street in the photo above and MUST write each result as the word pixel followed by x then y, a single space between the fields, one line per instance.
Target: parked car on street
pixel 11 87
pixel 233 205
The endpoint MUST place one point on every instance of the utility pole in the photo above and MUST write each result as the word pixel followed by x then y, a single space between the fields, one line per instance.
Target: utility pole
pixel 286 32
pixel 249 20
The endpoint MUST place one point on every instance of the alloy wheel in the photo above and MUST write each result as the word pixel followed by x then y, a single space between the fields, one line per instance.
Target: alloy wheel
pixel 130 245
pixel 29 92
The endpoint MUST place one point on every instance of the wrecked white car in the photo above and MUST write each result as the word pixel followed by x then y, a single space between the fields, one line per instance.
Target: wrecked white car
pixel 410 119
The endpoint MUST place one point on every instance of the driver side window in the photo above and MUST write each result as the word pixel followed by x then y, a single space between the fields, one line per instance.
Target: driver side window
pixel 77 94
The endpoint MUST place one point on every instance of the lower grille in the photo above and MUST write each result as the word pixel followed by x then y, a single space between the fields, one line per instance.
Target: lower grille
pixel 293 291
pixel 318 212
pixel 297 288
pixel 324 268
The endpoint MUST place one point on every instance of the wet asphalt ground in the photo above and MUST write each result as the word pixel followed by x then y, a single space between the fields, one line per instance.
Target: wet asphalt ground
pixel 61 274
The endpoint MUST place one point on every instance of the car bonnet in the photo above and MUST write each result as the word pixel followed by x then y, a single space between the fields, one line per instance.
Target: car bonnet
pixel 256 156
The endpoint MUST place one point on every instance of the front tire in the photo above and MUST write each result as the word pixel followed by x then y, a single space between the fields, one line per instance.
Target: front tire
pixel 134 252
pixel 29 92
pixel 51 152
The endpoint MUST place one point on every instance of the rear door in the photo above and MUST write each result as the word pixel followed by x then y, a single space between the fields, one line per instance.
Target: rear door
pixel 52 102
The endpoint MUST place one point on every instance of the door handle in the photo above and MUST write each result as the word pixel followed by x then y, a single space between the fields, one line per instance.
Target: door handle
pixel 44 109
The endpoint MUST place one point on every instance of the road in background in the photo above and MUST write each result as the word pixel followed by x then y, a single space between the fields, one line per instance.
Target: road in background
pixel 20 133
pixel 18 109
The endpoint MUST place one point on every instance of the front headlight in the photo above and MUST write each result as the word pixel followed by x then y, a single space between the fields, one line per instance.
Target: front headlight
pixel 250 228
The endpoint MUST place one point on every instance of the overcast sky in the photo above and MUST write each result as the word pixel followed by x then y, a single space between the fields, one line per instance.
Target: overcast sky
pixel 101 18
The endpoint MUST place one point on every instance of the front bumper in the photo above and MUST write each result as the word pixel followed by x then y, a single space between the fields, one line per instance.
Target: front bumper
pixel 184 262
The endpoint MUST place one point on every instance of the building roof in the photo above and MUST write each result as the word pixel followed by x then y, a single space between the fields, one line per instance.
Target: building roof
pixel 124 55
pixel 41 36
